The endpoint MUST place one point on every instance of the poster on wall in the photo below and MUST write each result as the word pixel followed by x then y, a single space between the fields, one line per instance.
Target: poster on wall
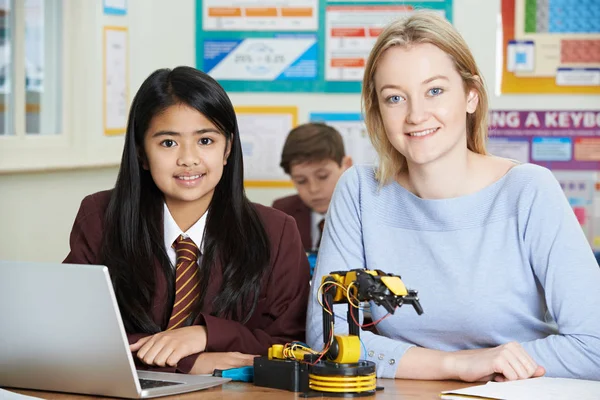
pixel 551 46
pixel 284 61
pixel 558 140
pixel 263 130
pixel 116 80
pixel 115 7
pixel 294 45
pixel 351 31
pixel 251 45
pixel 354 134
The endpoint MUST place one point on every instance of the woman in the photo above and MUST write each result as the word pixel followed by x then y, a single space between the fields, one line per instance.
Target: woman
pixel 496 253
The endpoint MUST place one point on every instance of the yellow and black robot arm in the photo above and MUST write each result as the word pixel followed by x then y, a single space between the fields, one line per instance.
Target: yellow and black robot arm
pixel 359 285
pixel 385 290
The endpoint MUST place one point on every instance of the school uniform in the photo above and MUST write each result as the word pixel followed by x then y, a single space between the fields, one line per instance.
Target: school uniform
pixel 280 313
pixel 310 223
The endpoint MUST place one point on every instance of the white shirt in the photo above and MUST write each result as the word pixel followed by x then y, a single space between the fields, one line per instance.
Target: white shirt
pixel 172 231
pixel 315 233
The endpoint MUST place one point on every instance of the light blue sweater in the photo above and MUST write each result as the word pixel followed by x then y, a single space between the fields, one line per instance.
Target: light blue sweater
pixel 495 266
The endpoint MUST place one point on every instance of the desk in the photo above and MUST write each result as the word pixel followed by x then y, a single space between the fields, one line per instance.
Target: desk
pixel 394 389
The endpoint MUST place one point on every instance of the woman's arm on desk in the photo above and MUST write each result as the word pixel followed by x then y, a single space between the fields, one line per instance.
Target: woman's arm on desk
pixel 506 362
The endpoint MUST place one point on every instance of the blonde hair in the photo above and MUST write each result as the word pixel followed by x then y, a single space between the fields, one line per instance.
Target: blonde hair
pixel 421 27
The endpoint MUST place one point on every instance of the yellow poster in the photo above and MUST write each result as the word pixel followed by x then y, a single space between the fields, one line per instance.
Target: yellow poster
pixel 551 48
pixel 263 130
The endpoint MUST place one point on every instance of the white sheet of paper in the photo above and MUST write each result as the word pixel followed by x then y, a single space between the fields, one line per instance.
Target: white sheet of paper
pixel 262 136
pixel 116 80
pixel 8 395
pixel 536 388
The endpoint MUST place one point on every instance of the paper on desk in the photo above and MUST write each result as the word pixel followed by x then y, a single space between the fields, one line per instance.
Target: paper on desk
pixel 535 388
pixel 8 395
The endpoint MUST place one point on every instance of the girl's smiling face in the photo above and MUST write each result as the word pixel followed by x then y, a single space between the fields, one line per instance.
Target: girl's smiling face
pixel 185 154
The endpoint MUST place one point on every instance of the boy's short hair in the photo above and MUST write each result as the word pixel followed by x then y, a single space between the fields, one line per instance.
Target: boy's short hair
pixel 314 141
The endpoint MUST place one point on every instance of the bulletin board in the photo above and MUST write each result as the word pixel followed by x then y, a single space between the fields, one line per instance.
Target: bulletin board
pixel 294 46
pixel 564 141
pixel 551 47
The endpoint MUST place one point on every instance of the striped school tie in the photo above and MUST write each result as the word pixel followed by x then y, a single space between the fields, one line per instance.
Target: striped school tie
pixel 186 281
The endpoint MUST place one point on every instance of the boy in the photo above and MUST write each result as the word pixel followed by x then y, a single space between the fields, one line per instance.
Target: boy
pixel 313 156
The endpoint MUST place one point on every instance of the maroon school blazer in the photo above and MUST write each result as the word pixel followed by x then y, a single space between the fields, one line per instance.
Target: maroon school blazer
pixel 280 313
pixel 295 207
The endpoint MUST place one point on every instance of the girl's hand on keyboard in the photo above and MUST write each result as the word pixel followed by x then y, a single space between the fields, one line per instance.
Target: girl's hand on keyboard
pixel 168 347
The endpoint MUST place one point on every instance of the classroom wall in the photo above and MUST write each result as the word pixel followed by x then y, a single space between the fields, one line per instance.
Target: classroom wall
pixel 37 209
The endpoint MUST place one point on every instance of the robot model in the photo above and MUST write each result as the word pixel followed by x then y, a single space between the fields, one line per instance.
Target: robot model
pixel 337 369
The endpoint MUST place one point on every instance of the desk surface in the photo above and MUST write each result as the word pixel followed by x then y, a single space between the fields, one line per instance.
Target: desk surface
pixel 394 389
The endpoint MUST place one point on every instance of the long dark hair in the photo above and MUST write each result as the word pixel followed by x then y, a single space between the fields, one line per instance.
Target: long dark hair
pixel 133 236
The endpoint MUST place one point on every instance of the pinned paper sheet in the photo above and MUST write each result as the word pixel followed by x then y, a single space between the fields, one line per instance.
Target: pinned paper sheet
pixel 263 130
pixel 527 389
pixel 116 80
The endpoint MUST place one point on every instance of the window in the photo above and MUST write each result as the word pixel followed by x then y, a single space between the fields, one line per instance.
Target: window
pixel 30 67
pixel 51 108
pixel 5 66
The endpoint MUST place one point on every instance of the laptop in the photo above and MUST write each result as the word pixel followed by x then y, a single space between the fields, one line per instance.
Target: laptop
pixel 61 330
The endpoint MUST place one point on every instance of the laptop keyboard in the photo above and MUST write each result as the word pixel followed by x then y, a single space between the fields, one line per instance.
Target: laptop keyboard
pixel 151 383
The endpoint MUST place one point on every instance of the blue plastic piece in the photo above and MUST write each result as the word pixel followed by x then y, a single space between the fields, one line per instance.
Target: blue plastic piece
pixel 242 374
pixel 312 261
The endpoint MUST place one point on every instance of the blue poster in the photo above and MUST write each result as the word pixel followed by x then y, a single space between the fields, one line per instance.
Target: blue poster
pixel 287 61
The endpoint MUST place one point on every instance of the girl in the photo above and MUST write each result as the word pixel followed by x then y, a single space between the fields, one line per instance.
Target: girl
pixel 204 278
pixel 507 280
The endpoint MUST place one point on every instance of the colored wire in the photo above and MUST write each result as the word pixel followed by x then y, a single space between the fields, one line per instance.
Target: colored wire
pixel 290 348
pixel 328 283
pixel 370 323
pixel 319 296
pixel 348 295
pixel 364 347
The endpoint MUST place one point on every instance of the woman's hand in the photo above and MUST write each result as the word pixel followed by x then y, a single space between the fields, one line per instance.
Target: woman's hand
pixel 507 362
pixel 206 363
pixel 168 347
